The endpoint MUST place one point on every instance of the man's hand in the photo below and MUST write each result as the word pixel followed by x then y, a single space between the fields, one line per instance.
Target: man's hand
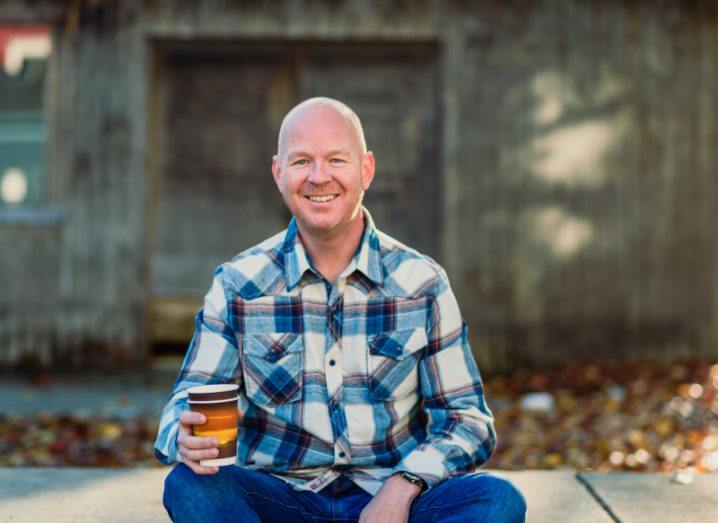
pixel 194 448
pixel 392 503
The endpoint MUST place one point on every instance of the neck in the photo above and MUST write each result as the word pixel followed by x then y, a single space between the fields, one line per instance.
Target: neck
pixel 331 254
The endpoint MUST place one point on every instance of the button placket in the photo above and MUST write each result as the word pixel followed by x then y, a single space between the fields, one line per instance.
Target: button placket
pixel 332 361
pixel 332 370
pixel 341 454
pixel 334 320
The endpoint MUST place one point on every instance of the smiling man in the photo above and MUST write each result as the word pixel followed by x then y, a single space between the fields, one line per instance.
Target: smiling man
pixel 360 398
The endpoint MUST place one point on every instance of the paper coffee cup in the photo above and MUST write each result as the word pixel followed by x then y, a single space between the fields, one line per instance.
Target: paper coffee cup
pixel 218 403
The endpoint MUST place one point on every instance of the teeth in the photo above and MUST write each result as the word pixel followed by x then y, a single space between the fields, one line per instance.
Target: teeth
pixel 322 198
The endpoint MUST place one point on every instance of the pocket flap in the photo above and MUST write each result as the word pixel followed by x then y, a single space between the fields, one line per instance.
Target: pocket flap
pixel 272 346
pixel 273 314
pixel 398 344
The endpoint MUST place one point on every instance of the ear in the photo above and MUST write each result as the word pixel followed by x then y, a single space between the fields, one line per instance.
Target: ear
pixel 367 169
pixel 277 172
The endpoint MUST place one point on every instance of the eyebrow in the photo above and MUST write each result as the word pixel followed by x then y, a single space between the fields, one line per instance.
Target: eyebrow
pixel 335 152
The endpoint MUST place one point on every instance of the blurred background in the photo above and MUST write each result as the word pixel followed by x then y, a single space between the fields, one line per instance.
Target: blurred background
pixel 558 158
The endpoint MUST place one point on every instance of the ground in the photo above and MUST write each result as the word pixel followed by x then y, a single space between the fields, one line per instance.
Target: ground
pixel 584 442
pixel 635 416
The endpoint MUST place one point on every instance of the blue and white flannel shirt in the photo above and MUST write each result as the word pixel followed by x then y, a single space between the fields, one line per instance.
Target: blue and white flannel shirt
pixel 371 375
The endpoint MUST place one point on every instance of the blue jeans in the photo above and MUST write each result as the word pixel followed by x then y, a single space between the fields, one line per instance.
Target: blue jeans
pixel 240 494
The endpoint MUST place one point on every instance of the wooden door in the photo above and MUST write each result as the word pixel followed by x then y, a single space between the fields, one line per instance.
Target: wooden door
pixel 393 90
pixel 221 107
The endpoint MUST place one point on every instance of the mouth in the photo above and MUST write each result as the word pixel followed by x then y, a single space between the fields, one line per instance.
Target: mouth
pixel 321 198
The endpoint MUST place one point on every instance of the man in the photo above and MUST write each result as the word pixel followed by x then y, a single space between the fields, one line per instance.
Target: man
pixel 360 397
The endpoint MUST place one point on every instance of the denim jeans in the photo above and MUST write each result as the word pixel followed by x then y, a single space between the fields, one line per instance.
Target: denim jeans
pixel 240 494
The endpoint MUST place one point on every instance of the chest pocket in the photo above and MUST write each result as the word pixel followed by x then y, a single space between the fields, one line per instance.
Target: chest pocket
pixel 273 367
pixel 392 362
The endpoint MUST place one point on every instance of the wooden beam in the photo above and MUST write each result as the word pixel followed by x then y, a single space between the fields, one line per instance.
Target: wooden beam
pixel 33 12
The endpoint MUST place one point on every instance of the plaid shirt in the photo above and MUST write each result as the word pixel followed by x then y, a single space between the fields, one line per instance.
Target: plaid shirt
pixel 370 376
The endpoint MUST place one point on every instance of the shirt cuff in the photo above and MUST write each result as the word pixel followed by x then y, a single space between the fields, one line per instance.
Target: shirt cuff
pixel 167 453
pixel 427 463
pixel 162 458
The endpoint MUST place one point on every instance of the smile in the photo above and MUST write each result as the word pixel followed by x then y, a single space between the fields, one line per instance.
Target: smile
pixel 323 198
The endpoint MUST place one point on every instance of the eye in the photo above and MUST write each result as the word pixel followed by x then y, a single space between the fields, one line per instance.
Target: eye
pixel 337 161
pixel 299 163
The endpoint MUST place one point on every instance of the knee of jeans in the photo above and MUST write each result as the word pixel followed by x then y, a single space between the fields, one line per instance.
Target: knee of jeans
pixel 509 503
pixel 180 477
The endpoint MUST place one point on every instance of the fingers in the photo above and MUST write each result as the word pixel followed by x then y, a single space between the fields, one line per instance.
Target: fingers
pixel 195 448
pixel 192 418
pixel 191 458
pixel 196 455
pixel 199 469
pixel 196 442
pixel 185 436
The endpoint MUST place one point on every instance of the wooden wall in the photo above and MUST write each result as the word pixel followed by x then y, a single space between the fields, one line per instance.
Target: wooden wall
pixel 577 167
pixel 586 207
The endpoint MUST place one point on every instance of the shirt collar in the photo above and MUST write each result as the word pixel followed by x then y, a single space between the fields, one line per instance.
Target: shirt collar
pixel 366 260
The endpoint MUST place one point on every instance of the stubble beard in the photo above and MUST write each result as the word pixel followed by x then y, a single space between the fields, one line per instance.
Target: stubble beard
pixel 333 230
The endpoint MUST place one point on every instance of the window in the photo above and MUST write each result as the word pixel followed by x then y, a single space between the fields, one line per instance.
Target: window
pixel 24 50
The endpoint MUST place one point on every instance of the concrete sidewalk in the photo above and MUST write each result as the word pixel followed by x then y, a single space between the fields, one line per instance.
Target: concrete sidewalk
pixel 135 495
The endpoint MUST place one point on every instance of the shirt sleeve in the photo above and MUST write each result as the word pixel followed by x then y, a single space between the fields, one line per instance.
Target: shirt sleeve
pixel 212 357
pixel 460 429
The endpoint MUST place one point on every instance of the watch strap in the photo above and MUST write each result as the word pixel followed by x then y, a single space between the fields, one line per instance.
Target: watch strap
pixel 413 478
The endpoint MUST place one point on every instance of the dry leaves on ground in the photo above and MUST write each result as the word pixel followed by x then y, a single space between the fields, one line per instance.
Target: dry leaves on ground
pixel 635 416
pixel 630 416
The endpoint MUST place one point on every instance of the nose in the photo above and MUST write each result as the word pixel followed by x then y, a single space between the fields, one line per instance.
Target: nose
pixel 319 174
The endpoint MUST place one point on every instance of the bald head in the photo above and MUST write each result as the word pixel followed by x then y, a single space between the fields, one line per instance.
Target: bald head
pixel 302 112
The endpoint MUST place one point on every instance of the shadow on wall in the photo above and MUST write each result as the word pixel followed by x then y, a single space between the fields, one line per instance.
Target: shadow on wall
pixel 593 189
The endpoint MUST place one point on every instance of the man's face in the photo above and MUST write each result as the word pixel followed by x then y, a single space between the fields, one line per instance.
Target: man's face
pixel 321 171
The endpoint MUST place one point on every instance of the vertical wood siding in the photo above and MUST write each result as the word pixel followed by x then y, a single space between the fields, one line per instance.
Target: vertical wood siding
pixel 577 170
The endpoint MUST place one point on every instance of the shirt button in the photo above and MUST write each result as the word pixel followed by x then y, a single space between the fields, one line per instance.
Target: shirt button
pixel 342 454
pixel 332 362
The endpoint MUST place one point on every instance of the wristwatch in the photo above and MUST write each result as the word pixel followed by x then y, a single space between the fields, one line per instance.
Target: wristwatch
pixel 413 478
